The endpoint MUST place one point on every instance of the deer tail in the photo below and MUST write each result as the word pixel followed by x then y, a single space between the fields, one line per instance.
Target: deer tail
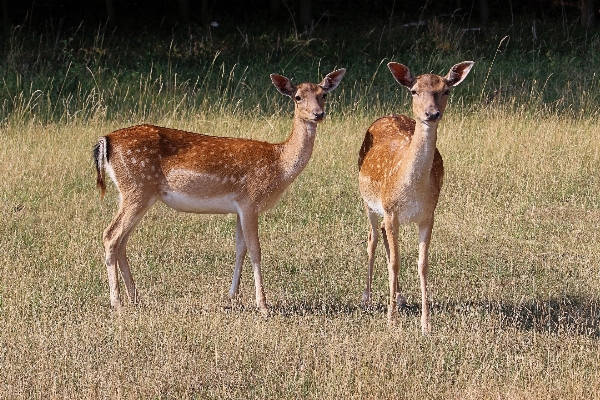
pixel 100 159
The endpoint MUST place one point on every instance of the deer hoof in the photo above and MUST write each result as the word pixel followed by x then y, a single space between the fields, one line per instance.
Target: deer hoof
pixel 366 300
pixel 116 304
pixel 234 298
pixel 392 316
pixel 425 327
pixel 264 311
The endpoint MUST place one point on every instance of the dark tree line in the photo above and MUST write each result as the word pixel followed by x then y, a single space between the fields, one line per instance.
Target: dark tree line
pixel 304 13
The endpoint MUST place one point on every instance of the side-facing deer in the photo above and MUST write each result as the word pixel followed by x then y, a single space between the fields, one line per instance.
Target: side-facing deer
pixel 401 174
pixel 205 174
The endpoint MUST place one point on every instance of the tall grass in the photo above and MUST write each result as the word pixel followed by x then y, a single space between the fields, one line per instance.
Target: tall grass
pixel 514 258
pixel 75 75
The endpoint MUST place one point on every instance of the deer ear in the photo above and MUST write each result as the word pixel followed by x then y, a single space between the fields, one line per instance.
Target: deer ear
pixel 283 84
pixel 332 80
pixel 458 73
pixel 402 74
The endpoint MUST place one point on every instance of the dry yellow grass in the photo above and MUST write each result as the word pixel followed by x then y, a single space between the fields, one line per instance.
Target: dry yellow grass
pixel 515 269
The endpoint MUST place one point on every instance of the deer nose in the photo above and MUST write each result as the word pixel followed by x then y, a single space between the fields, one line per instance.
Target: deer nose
pixel 433 115
pixel 319 114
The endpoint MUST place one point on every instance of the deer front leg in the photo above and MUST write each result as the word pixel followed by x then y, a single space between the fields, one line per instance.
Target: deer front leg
pixel 240 254
pixel 371 246
pixel 391 230
pixel 400 300
pixel 425 229
pixel 250 231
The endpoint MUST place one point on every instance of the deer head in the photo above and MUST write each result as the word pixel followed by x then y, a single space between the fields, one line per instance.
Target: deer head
pixel 309 99
pixel 430 92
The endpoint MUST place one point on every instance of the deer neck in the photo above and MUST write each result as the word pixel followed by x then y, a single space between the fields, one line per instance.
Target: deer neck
pixel 297 149
pixel 419 158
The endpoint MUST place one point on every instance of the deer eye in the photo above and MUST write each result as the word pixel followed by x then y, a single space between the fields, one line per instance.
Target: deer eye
pixel 413 92
pixel 324 95
pixel 298 98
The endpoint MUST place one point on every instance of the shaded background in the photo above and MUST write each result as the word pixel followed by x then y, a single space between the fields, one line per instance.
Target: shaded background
pixel 129 59
pixel 305 14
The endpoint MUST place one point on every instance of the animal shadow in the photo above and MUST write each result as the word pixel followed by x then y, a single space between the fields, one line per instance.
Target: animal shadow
pixel 565 315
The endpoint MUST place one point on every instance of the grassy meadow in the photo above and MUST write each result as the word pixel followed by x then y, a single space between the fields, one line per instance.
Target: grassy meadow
pixel 514 263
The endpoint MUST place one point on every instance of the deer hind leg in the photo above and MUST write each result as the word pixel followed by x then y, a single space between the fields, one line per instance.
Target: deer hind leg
pixel 400 300
pixel 123 265
pixel 249 223
pixel 425 229
pixel 371 246
pixel 391 229
pixel 115 240
pixel 240 254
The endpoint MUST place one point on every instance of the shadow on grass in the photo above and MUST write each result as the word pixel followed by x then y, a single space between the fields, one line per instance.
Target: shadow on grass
pixel 333 307
pixel 567 315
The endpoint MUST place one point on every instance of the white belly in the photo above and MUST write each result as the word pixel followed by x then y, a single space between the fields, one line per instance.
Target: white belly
pixel 199 205
pixel 375 206
pixel 411 211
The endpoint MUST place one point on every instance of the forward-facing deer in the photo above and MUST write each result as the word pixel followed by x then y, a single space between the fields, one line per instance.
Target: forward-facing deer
pixel 401 174
pixel 205 174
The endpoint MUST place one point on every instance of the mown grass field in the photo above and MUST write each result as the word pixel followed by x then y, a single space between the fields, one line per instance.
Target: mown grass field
pixel 514 263
pixel 514 275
